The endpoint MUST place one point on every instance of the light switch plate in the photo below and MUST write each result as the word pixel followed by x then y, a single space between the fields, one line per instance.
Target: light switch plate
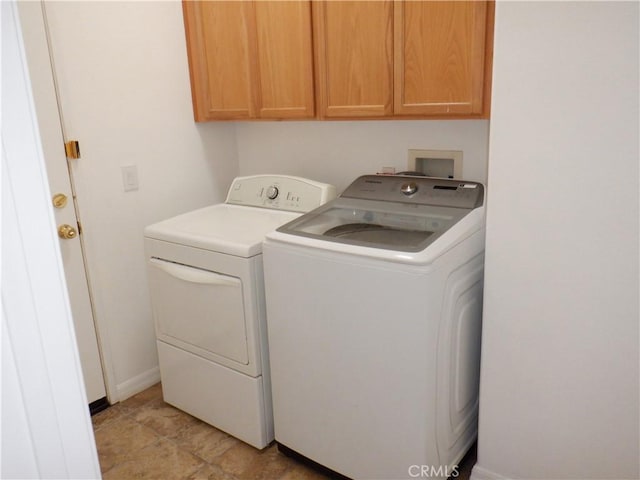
pixel 129 177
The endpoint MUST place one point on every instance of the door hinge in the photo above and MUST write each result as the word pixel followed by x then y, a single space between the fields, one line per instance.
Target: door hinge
pixel 72 149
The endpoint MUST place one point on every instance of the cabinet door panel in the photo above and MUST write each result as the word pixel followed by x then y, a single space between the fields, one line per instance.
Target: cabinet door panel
pixel 439 57
pixel 284 59
pixel 220 58
pixel 354 46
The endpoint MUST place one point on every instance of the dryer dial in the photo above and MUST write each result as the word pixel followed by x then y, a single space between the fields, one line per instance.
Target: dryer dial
pixel 272 192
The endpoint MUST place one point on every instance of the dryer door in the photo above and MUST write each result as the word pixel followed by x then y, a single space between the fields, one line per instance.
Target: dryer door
pixel 199 310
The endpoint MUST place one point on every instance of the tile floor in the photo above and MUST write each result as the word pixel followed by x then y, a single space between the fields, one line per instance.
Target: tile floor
pixel 145 438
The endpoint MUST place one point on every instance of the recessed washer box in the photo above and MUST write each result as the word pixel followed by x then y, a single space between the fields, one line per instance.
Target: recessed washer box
pixel 436 163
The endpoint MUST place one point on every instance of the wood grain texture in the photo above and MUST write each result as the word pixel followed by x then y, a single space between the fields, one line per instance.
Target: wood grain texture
pixel 271 59
pixel 439 57
pixel 250 59
pixel 284 53
pixel 220 51
pixel 354 58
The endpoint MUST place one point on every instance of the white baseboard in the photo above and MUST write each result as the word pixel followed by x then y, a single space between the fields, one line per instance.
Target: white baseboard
pixel 480 473
pixel 138 383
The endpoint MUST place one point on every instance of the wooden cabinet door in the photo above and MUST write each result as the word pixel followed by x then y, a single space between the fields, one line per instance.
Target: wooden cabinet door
pixel 221 52
pixel 285 59
pixel 439 57
pixel 250 59
pixel 354 58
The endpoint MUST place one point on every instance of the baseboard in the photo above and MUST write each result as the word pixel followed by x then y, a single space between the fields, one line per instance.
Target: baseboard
pixel 138 383
pixel 480 473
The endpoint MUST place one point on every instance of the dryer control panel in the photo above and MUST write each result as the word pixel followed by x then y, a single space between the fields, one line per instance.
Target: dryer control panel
pixel 417 190
pixel 280 192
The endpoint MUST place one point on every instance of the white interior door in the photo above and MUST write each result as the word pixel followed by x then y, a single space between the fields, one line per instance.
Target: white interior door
pixel 52 134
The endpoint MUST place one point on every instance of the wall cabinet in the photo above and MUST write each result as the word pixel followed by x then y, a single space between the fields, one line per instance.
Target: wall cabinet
pixel 354 58
pixel 348 59
pixel 439 62
pixel 250 59
pixel 403 58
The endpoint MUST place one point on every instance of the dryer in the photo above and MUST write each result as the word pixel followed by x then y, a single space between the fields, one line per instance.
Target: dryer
pixel 207 294
pixel 374 305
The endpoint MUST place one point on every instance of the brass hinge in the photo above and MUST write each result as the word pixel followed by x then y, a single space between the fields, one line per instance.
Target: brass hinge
pixel 72 149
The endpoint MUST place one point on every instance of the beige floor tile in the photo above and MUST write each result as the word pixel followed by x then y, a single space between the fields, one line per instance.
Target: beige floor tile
pixel 238 459
pixel 117 439
pixel 204 440
pixel 160 460
pixel 142 398
pixel 163 418
pixel 211 472
pixel 106 416
pixel 267 465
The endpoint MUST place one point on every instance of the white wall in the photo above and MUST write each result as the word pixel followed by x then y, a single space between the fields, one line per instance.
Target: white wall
pixel 560 366
pixel 124 84
pixel 337 152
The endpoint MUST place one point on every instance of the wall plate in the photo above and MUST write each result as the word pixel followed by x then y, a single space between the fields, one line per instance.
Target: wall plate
pixel 436 163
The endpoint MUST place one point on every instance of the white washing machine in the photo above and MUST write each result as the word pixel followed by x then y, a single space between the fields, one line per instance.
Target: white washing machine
pixel 374 305
pixel 207 293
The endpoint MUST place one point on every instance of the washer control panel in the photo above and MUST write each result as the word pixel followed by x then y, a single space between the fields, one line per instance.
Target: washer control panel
pixel 417 190
pixel 280 192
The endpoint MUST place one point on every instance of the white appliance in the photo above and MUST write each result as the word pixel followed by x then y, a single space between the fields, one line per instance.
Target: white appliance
pixel 374 305
pixel 207 293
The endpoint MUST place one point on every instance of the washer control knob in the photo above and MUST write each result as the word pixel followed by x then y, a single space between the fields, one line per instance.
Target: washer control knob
pixel 272 192
pixel 409 188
